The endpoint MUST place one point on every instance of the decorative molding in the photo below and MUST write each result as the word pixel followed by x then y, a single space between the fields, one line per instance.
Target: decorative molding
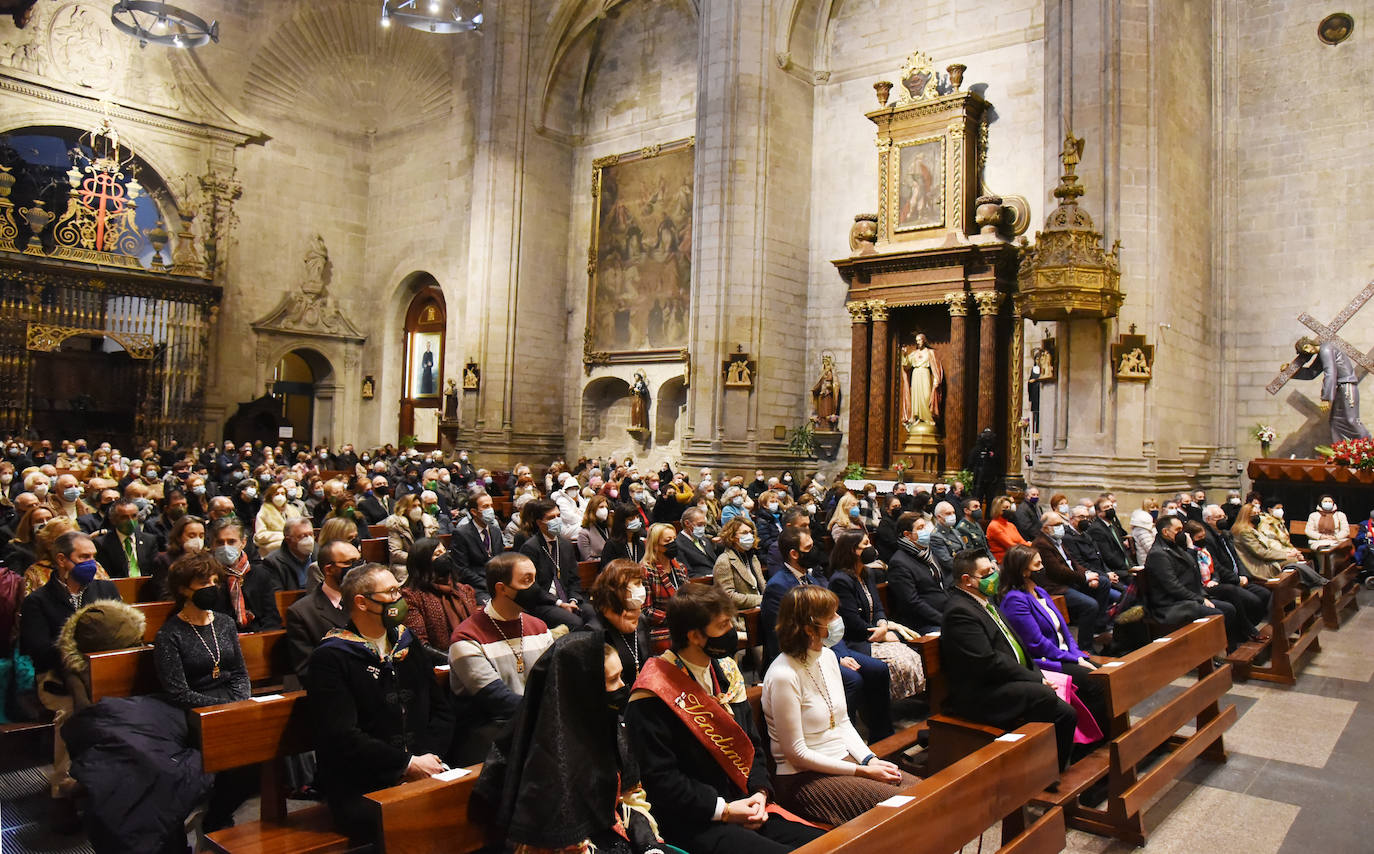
pixel 858 311
pixel 47 338
pixel 877 309
pixel 958 304
pixel 989 302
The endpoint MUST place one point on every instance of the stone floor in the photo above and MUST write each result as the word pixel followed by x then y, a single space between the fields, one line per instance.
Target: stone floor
pixel 1298 778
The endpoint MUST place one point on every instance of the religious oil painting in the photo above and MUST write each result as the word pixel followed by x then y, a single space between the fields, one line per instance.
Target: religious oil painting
pixel 921 184
pixel 424 360
pixel 640 262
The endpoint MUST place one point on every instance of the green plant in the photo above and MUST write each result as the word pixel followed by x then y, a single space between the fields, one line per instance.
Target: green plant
pixel 410 441
pixel 965 477
pixel 854 471
pixel 801 442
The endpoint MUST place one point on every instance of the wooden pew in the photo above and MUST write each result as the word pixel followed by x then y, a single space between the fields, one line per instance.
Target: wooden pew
pixel 131 672
pixel 587 571
pixel 285 599
pixel 264 732
pixel 429 816
pixel 375 551
pixel 957 805
pixel 1338 594
pixel 155 614
pixel 1126 683
pixel 1294 625
pixel 375 531
pixel 133 590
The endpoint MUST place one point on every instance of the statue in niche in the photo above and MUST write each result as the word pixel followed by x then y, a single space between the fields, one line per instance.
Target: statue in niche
pixel 738 374
pixel 639 402
pixel 922 378
pixel 317 270
pixel 1340 385
pixel 825 393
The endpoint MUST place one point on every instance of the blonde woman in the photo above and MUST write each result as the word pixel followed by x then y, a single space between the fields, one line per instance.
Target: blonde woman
pixel 271 521
pixel 1143 528
pixel 20 553
pixel 407 524
pixel 845 519
pixel 665 577
pixel 738 570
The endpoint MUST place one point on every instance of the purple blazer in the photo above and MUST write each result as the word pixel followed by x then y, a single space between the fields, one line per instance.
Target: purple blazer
pixel 1037 634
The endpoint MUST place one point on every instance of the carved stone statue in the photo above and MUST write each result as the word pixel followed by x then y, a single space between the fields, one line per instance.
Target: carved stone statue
pixel 639 402
pixel 922 378
pixel 1340 385
pixel 1133 364
pixel 738 373
pixel 316 282
pixel 826 394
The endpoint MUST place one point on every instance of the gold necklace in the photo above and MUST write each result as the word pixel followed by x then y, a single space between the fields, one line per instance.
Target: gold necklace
pixel 195 630
pixel 519 651
pixel 820 689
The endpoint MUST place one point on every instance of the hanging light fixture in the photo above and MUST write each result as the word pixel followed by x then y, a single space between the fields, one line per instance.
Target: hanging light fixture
pixel 153 21
pixel 434 16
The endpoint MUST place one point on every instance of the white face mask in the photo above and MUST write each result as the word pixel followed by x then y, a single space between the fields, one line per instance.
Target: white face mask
pixel 305 546
pixel 192 545
pixel 602 514
pixel 635 596
pixel 1063 509
pixel 1328 506
pixel 279 499
pixel 746 541
pixel 834 632
pixel 947 519
pixel 415 514
pixel 1277 512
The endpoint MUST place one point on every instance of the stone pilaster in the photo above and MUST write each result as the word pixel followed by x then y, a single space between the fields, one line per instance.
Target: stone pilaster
pixel 879 387
pixel 989 305
pixel 858 382
pixel 956 404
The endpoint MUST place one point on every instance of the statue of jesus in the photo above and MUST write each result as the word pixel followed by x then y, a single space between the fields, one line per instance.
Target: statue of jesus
pixel 922 379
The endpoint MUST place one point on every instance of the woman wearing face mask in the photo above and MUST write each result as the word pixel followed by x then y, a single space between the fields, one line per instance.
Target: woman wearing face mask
pixel 199 663
pixel 769 518
pixel 1060 502
pixel 845 519
pixel 562 778
pixel 734 502
pixel 666 577
pixel 825 772
pixel 1002 532
pixel 738 570
pixel 408 523
pixel 1143 528
pixel 866 627
pixel 595 530
pixel 20 552
pixel 186 537
pixel 271 520
pixel 246 499
pixel 622 600
pixel 1327 528
pixel 437 603
pixel 627 536
pixel 915 582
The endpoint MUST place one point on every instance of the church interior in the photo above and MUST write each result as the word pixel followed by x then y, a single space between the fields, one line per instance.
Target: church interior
pixel 1027 247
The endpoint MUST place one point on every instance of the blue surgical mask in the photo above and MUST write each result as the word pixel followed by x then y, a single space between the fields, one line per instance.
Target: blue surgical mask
pixel 489 516
pixel 854 512
pixel 84 572
pixel 923 536
pixel 555 526
pixel 834 632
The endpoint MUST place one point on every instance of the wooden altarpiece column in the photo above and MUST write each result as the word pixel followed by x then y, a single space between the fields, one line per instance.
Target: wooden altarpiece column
pixel 937 257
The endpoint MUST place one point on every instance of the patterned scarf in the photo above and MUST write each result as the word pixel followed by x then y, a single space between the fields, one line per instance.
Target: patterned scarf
pixel 236 573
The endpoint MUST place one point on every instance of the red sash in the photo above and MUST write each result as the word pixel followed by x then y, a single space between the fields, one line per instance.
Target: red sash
pixel 703 714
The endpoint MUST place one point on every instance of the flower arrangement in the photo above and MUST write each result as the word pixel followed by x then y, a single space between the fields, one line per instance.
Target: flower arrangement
pixel 1264 434
pixel 900 466
pixel 1358 454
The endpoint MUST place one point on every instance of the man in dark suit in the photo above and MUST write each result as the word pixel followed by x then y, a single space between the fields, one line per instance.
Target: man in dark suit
pixel 318 612
pixel 915 581
pixel 1110 545
pixel 556 597
pixel 288 563
pixel 476 540
pixel 1087 596
pixel 990 677
pixel 1080 547
pixel 1027 515
pixel 694 548
pixel 1173 584
pixel 1230 571
pixel 376 505
pixel 125 552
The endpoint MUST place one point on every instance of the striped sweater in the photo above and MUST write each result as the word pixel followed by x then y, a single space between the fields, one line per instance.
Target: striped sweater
pixel 483 662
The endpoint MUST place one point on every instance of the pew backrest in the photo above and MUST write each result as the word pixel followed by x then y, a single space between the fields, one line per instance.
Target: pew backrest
pixel 375 551
pixel 133 590
pixel 587 571
pixel 429 816
pixel 131 672
pixel 1142 673
pixel 235 735
pixel 285 599
pixel 154 614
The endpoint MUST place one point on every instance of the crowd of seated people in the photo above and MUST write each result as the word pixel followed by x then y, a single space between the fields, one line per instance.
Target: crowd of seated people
pixel 479 570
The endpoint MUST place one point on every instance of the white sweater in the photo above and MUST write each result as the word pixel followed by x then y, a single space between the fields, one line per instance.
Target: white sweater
pixel 799 730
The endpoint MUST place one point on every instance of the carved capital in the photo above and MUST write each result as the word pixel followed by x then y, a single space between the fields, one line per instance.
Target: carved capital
pixel 958 304
pixel 878 309
pixel 989 302
pixel 858 311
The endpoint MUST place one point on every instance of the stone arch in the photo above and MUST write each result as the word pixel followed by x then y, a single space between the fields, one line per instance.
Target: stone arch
pixel 670 407
pixel 331 362
pixel 605 412
pixel 802 38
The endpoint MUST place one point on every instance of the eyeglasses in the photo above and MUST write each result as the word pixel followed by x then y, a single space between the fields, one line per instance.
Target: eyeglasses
pixel 390 591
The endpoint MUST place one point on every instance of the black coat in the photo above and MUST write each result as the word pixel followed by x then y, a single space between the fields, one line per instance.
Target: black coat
pixel 1027 520
pixel 855 610
pixel 1172 577
pixel 1083 551
pixel 287 570
pixel 1225 561
pixel 916 591
pixel 109 551
pixel 259 599
pixel 700 562
pixel 375 509
pixel 370 716
pixel 1113 551
pixel 470 554
pixel 45 612
pixel 537 595
pixel 976 657
pixel 308 620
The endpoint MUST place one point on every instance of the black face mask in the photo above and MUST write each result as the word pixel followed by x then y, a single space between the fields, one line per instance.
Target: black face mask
pixel 811 558
pixel 976 515
pixel 1109 513
pixel 868 555
pixel 722 646
pixel 1182 540
pixel 205 597
pixel 618 699
pixel 670 550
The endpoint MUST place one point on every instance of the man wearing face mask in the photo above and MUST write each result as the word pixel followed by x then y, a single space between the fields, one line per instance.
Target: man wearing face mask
pixel 945 540
pixel 126 551
pixel 693 545
pixel 1173 593
pixel 66 500
pixel 702 759
pixel 313 615
pixel 916 583
pixel 1116 555
pixel 1028 515
pixel 45 611
pixel 288 563
pixel 991 678
pixel 970 527
pixel 557 596
pixel 377 716
pixel 247 592
pixel 376 504
pixel 476 540
pixel 1087 594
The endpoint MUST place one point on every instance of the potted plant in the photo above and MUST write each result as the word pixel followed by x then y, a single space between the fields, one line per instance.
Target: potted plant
pixel 1265 435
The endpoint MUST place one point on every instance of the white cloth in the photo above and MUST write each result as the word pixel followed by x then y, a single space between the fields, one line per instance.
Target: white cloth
pixel 799 731
pixel 1143 532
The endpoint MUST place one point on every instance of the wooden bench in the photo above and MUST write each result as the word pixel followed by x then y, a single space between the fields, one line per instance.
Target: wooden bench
pixel 133 590
pixel 587 571
pixel 154 615
pixel 1339 592
pixel 375 551
pixel 1294 626
pixel 430 816
pixel 376 531
pixel 285 599
pixel 131 672
pixel 1126 683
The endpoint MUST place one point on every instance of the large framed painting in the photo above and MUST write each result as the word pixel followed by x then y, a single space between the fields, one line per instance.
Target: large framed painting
pixel 920 196
pixel 426 359
pixel 640 260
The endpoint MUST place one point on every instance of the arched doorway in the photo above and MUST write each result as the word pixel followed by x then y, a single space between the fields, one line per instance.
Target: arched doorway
pixel 422 387
pixel 300 385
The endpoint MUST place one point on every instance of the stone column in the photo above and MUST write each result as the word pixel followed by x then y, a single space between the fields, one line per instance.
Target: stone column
pixel 858 383
pixel 989 304
pixel 879 414
pixel 956 404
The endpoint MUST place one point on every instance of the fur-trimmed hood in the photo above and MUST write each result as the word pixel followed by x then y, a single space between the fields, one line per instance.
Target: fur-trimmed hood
pixel 101 626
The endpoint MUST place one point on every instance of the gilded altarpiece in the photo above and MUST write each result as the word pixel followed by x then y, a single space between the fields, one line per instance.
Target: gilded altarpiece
pixel 929 289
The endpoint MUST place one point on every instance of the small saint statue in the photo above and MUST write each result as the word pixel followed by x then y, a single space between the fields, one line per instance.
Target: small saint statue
pixel 639 402
pixel 316 268
pixel 826 394
pixel 1340 385
pixel 922 380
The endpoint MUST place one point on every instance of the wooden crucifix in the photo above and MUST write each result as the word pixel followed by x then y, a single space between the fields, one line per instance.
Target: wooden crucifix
pixel 1330 333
